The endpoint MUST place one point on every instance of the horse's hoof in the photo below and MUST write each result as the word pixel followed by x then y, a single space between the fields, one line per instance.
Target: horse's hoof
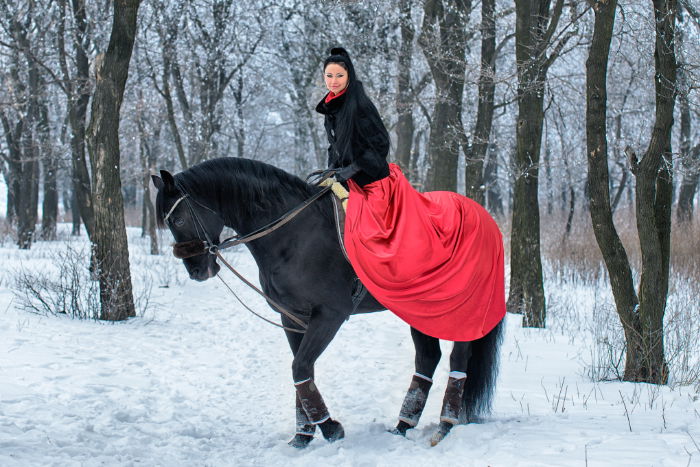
pixel 300 441
pixel 332 430
pixel 441 432
pixel 401 429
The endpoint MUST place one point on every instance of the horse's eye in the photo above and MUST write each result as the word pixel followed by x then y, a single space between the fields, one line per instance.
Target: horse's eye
pixel 178 221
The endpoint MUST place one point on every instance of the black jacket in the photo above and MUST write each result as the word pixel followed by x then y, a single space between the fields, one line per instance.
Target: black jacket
pixel 370 145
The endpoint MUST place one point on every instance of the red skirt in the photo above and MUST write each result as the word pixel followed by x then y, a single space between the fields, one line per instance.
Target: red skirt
pixel 434 259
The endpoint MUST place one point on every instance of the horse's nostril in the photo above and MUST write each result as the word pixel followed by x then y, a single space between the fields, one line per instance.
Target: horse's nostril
pixel 194 272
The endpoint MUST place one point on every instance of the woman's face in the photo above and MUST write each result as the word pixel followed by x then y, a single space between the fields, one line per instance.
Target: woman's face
pixel 336 77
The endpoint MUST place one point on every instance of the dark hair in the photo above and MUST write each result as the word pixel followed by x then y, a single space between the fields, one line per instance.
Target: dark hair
pixel 356 103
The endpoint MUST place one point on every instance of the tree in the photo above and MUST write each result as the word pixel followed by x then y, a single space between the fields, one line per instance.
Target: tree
pixel 443 40
pixel 76 86
pixel 535 30
pixel 476 153
pixel 690 156
pixel 109 241
pixel 405 126
pixel 641 314
pixel 21 125
pixel 199 64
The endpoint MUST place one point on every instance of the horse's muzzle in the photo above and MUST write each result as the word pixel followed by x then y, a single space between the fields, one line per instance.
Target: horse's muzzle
pixel 184 250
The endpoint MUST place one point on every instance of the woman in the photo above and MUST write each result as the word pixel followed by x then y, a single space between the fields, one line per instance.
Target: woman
pixel 433 259
pixel 359 142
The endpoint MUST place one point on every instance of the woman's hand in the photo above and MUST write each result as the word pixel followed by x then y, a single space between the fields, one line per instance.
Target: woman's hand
pixel 345 173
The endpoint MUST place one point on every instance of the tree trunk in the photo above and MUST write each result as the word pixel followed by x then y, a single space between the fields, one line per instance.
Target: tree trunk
pixel 654 192
pixel 404 96
pixel 689 187
pixel 526 282
pixel 109 241
pixel 23 143
pixel 49 211
pixel 535 26
pixel 690 162
pixel 78 90
pixel 494 201
pixel 614 253
pixel 148 162
pixel 9 209
pixel 444 47
pixel 641 316
pixel 75 213
pixel 474 174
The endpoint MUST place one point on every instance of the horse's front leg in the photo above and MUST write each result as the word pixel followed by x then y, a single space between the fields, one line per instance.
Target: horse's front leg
pixel 321 329
pixel 304 432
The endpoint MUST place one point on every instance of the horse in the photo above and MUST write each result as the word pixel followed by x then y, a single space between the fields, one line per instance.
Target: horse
pixel 302 267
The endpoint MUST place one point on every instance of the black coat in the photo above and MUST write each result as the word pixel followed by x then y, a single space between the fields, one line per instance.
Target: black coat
pixel 369 144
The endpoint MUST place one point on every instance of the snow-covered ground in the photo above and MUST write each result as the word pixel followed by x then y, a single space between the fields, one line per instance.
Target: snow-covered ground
pixel 197 380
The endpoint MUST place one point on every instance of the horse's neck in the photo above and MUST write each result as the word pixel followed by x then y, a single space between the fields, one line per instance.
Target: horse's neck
pixel 246 218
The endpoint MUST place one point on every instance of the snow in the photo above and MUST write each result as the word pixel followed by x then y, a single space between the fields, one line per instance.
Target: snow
pixel 197 380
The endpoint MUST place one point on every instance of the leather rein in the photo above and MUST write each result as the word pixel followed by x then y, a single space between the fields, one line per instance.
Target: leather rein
pixel 191 248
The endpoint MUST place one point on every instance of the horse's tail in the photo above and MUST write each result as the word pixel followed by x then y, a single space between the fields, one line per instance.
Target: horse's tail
pixel 482 371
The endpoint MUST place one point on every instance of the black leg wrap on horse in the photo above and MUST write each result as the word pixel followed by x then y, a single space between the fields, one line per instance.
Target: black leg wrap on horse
pixel 304 426
pixel 452 403
pixel 312 402
pixel 414 402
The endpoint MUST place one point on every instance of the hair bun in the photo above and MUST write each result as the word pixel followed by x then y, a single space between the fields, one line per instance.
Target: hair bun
pixel 340 51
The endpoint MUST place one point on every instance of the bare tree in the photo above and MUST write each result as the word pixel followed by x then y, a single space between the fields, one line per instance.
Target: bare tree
pixel 641 314
pixel 443 40
pixel 689 153
pixel 76 85
pixel 476 153
pixel 204 45
pixel 404 108
pixel 535 30
pixel 21 123
pixel 109 239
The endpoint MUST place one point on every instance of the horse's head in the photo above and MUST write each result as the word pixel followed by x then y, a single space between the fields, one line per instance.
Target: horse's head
pixel 191 223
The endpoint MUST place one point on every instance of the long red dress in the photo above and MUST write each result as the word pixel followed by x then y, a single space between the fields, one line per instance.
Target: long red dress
pixel 434 259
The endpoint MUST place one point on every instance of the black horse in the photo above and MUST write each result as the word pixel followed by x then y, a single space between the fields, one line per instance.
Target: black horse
pixel 302 267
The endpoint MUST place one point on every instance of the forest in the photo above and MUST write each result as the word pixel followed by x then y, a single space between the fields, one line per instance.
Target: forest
pixel 576 124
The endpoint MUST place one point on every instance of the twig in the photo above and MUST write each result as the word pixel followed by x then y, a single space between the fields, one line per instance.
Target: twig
pixel 629 423
pixel 545 389
pixel 693 439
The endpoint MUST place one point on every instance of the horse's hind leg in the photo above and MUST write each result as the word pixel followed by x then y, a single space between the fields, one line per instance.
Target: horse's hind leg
pixel 427 358
pixel 452 402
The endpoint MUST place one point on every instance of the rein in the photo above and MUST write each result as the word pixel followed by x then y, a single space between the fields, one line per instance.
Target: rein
pixel 197 247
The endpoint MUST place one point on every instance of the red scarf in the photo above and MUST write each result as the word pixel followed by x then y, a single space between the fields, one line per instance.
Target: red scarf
pixel 332 96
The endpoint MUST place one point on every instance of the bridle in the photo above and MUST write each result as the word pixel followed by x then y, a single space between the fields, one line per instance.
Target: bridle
pixel 207 246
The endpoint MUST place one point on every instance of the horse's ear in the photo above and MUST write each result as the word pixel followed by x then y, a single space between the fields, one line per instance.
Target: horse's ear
pixel 167 180
pixel 157 182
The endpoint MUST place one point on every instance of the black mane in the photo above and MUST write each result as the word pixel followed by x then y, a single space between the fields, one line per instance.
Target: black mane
pixel 253 185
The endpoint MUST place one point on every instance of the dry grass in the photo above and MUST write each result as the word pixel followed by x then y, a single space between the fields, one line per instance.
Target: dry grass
pixel 575 260
pixel 579 253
